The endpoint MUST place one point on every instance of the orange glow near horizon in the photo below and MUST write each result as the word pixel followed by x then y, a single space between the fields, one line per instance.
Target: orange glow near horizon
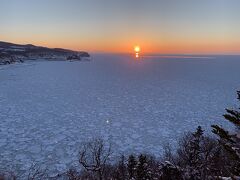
pixel 125 45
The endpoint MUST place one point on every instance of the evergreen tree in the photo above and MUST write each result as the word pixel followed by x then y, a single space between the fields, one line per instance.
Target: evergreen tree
pixel 190 153
pixel 231 142
pixel 131 166
pixel 170 172
pixel 142 168
pixel 121 169
pixel 195 146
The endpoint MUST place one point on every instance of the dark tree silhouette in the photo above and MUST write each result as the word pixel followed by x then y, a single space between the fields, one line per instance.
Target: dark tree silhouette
pixel 131 166
pixel 231 141
pixel 142 172
pixel 94 156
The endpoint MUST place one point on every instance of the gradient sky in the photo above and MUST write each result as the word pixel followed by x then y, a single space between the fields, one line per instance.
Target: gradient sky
pixel 158 26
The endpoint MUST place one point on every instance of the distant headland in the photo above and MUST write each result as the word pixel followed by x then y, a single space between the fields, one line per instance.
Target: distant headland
pixel 12 53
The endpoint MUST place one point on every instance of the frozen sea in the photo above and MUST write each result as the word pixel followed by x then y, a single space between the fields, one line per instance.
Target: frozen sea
pixel 48 108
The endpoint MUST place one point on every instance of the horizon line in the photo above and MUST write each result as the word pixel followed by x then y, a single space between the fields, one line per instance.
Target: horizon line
pixel 129 52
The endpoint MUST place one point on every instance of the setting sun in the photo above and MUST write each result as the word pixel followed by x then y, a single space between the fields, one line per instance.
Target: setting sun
pixel 137 49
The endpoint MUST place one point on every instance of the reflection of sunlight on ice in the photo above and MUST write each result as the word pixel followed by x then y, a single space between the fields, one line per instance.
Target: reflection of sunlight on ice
pixel 137 50
pixel 137 55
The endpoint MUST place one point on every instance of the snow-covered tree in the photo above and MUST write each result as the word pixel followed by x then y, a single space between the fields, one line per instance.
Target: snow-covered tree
pixel 199 156
pixel 143 171
pixel 169 171
pixel 131 166
pixel 231 141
